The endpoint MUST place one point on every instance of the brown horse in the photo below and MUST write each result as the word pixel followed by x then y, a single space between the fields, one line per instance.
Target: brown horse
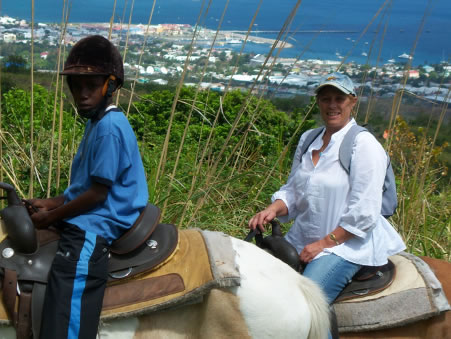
pixel 163 324
pixel 438 327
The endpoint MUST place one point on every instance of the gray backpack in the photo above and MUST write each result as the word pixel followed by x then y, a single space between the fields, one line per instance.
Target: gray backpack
pixel 389 197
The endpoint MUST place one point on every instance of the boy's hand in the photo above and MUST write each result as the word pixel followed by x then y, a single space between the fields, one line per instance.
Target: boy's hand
pixel 42 219
pixel 39 205
pixel 35 205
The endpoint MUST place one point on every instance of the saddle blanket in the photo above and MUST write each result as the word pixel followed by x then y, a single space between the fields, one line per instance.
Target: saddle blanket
pixel 415 294
pixel 202 261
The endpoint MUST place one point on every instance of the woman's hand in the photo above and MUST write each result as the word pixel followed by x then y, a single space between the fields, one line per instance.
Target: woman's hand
pixel 262 218
pixel 276 209
pixel 310 251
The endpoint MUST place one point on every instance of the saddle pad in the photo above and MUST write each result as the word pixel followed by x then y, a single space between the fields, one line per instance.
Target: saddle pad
pixel 415 294
pixel 191 273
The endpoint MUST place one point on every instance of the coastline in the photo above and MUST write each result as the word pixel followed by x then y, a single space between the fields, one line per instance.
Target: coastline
pixel 180 32
pixel 255 39
pixel 402 29
pixel 301 42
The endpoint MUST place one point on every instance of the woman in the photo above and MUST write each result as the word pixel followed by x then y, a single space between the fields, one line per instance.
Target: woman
pixel 338 226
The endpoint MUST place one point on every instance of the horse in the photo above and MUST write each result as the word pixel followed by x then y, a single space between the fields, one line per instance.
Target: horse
pixel 252 285
pixel 261 274
pixel 268 289
pixel 272 301
pixel 438 327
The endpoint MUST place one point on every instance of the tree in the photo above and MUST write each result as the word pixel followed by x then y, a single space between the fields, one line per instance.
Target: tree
pixel 15 64
pixel 222 56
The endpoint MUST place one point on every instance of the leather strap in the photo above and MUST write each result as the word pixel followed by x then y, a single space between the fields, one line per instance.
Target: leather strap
pixel 23 329
pixel 37 303
pixel 9 294
pixel 137 291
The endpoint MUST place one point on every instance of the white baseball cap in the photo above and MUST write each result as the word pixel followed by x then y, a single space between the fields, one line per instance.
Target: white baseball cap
pixel 337 80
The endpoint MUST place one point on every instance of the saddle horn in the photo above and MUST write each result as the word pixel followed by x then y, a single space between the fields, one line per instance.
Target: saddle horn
pixel 277 245
pixel 18 223
pixel 12 197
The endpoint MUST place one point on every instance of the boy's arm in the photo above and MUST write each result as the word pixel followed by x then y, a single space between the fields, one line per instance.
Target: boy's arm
pixel 35 205
pixel 86 201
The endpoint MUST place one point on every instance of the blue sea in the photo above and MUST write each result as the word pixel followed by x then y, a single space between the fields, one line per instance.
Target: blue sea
pixel 350 28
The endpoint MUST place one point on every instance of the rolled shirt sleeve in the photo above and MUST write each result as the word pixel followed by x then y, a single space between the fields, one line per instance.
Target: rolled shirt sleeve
pixel 368 167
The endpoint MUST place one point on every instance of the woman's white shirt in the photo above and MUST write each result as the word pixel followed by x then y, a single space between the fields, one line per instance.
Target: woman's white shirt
pixel 320 198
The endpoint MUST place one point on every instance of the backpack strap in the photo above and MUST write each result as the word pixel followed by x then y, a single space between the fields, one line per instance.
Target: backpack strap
pixel 390 203
pixel 389 197
pixel 309 140
pixel 345 151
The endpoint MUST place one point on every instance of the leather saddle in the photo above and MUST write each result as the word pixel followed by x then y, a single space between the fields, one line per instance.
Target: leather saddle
pixel 368 280
pixel 26 256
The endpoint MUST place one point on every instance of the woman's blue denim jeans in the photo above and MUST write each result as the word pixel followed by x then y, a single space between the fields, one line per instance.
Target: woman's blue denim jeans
pixel 332 273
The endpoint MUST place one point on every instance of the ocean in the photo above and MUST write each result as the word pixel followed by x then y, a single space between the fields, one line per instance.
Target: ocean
pixel 343 24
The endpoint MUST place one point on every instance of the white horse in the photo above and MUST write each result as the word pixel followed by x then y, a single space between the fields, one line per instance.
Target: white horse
pixel 269 288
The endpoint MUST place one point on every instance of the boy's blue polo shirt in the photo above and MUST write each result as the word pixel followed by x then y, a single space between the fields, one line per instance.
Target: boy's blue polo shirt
pixel 109 154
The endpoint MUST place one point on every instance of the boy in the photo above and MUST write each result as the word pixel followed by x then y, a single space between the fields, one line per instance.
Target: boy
pixel 108 190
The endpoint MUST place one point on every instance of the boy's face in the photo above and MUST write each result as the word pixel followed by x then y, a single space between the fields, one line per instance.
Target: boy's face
pixel 87 91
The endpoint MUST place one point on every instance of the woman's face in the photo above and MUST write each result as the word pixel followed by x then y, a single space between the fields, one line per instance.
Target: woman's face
pixel 335 107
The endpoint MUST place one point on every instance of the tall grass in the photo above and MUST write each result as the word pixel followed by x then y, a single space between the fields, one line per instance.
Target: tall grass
pixel 217 158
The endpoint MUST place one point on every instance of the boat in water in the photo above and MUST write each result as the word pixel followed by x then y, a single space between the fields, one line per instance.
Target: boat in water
pixel 405 56
pixel 233 41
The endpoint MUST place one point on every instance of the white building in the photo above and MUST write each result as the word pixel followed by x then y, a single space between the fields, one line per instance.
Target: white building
pixel 9 37
pixel 6 20
pixel 150 70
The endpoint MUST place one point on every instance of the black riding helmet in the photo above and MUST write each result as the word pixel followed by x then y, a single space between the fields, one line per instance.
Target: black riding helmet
pixel 95 55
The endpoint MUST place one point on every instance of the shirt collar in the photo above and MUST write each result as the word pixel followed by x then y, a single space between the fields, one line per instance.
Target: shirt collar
pixel 110 107
pixel 341 133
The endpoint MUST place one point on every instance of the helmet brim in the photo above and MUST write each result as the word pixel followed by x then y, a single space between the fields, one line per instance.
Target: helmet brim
pixel 82 70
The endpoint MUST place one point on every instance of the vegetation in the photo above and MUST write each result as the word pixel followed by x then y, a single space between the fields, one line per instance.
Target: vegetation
pixel 423 216
pixel 215 159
